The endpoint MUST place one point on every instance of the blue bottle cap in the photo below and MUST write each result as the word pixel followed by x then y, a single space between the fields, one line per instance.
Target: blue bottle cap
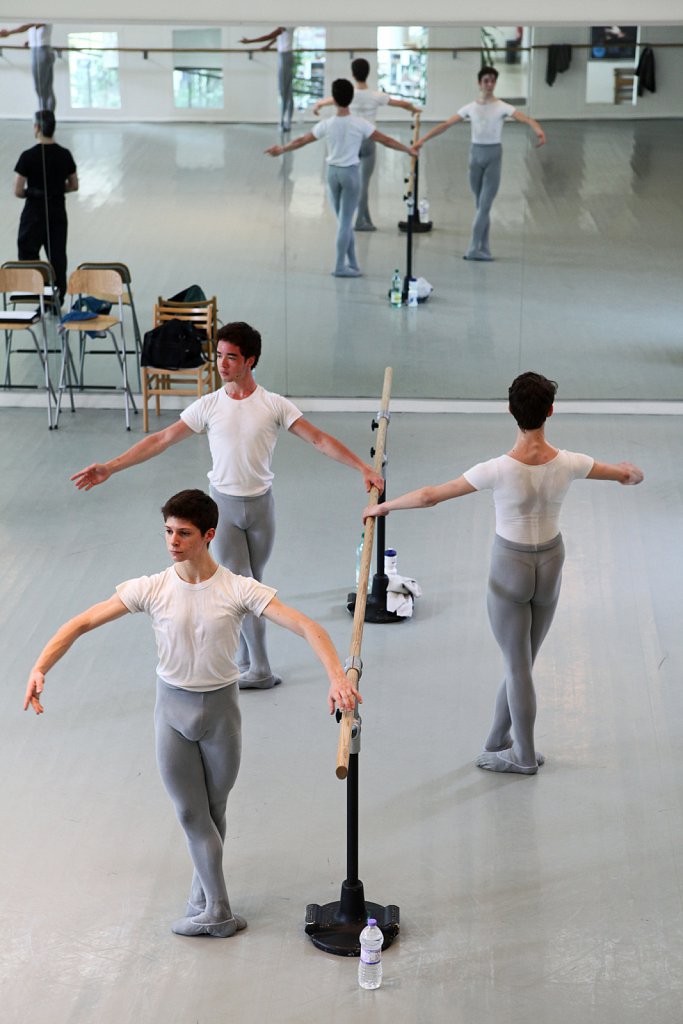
pixel 390 553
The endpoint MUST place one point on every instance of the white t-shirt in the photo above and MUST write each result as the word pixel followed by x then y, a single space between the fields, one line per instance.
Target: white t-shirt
pixel 285 40
pixel 242 435
pixel 366 103
pixel 197 625
pixel 487 120
pixel 528 499
pixel 344 135
pixel 40 36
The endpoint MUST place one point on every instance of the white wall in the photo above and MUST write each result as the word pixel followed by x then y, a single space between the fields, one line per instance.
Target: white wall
pixel 250 84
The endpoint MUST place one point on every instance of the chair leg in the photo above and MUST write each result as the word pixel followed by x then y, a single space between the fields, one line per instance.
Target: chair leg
pixel 8 356
pixel 145 400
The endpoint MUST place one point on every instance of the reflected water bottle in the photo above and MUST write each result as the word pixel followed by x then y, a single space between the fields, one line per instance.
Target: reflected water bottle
pixel 370 963
pixel 396 292
pixel 423 211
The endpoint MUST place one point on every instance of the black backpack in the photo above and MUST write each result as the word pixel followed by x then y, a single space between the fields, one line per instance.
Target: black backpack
pixel 173 345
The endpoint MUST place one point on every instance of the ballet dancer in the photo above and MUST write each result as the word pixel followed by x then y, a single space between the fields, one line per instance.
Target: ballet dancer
pixel 487 116
pixel 366 103
pixel 345 135
pixel 195 607
pixel 529 484
pixel 283 38
pixel 242 421
pixel 42 59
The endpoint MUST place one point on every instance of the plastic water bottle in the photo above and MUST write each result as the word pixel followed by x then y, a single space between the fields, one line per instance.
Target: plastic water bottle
pixel 390 562
pixel 370 964
pixel 396 293
pixel 359 555
pixel 423 211
pixel 412 292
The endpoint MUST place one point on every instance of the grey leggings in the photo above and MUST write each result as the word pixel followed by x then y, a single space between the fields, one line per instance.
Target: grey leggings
pixel 198 747
pixel 368 157
pixel 343 185
pixel 285 75
pixel 523 591
pixel 243 543
pixel 42 65
pixel 485 165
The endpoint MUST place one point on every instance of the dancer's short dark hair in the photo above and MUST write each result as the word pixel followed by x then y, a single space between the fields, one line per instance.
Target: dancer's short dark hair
pixel 45 119
pixel 342 92
pixel 195 507
pixel 486 69
pixel 360 69
pixel 531 395
pixel 247 338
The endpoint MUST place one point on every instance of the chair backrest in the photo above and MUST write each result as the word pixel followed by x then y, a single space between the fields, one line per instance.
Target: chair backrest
pixel 95 282
pixel 21 279
pixel 201 314
pixel 120 268
pixel 42 266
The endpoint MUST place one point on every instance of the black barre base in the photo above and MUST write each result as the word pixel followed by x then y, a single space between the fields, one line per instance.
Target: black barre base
pixel 419 227
pixel 376 607
pixel 336 927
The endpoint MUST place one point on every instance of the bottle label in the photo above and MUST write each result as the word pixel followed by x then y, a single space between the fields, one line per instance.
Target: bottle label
pixel 370 956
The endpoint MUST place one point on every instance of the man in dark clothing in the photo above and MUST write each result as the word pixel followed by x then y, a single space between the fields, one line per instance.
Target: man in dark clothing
pixel 44 174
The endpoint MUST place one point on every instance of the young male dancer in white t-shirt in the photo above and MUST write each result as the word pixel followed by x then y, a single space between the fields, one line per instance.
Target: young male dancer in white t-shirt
pixel 366 104
pixel 344 134
pixel 196 607
pixel 242 421
pixel 529 484
pixel 487 116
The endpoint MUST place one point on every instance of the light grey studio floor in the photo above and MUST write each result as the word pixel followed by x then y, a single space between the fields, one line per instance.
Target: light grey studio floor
pixel 586 231
pixel 552 898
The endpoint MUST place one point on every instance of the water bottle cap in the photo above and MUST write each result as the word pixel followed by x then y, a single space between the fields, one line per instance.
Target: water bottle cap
pixel 372 922
pixel 389 553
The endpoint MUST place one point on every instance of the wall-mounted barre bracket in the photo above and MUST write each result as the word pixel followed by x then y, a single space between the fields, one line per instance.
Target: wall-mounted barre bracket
pixel 354 661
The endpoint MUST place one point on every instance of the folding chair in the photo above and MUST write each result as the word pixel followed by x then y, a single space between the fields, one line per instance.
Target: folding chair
pixel 95 282
pixel 50 290
pixel 127 298
pixel 29 281
pixel 158 382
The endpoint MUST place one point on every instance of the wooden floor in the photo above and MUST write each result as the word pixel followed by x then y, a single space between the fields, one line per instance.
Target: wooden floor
pixel 552 898
pixel 586 232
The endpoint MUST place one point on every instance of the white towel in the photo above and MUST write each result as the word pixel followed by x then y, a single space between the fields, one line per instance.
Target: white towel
pixel 401 590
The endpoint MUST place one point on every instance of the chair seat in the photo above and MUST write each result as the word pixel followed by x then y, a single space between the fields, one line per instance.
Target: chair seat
pixel 98 323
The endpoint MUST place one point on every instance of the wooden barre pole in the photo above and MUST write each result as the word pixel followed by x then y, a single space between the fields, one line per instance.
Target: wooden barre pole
pixel 413 159
pixel 347 720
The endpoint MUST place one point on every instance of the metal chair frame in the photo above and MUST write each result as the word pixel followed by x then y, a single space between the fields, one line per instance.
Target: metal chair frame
pixel 29 280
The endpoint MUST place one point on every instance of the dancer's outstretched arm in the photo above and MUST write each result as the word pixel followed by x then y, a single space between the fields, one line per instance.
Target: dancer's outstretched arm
pixel 303 140
pixel 391 143
pixel 438 129
pixel 424 497
pixel 341 692
pixel 66 635
pixel 540 134
pixel 621 472
pixel 334 449
pixel 153 444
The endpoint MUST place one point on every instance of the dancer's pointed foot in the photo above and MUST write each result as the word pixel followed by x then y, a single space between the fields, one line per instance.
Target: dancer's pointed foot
pixel 502 761
pixel 479 257
pixel 364 225
pixel 348 272
pixel 540 759
pixel 202 924
pixel 250 682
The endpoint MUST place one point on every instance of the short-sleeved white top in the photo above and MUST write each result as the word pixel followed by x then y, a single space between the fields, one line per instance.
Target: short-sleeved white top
pixel 41 36
pixel 344 136
pixel 366 103
pixel 196 625
pixel 528 499
pixel 242 436
pixel 285 40
pixel 487 120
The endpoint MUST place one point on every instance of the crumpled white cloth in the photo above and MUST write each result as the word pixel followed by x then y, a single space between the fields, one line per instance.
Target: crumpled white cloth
pixel 401 590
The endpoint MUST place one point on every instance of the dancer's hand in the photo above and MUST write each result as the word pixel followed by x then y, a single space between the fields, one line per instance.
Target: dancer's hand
pixel 36 683
pixel 343 694
pixel 373 479
pixel 632 474
pixel 541 138
pixel 414 151
pixel 373 511
pixel 91 476
pixel 274 151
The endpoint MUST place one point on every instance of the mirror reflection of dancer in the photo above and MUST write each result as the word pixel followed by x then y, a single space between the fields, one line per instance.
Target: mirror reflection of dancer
pixel 242 421
pixel 195 606
pixel 529 484
pixel 366 103
pixel 283 38
pixel 345 135
pixel 42 59
pixel 487 116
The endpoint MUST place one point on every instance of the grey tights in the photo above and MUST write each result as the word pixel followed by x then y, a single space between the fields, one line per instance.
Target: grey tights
pixel 243 543
pixel 198 747
pixel 42 66
pixel 343 185
pixel 523 591
pixel 368 157
pixel 485 166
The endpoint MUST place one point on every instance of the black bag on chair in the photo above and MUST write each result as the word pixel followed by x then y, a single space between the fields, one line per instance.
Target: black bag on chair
pixel 173 345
